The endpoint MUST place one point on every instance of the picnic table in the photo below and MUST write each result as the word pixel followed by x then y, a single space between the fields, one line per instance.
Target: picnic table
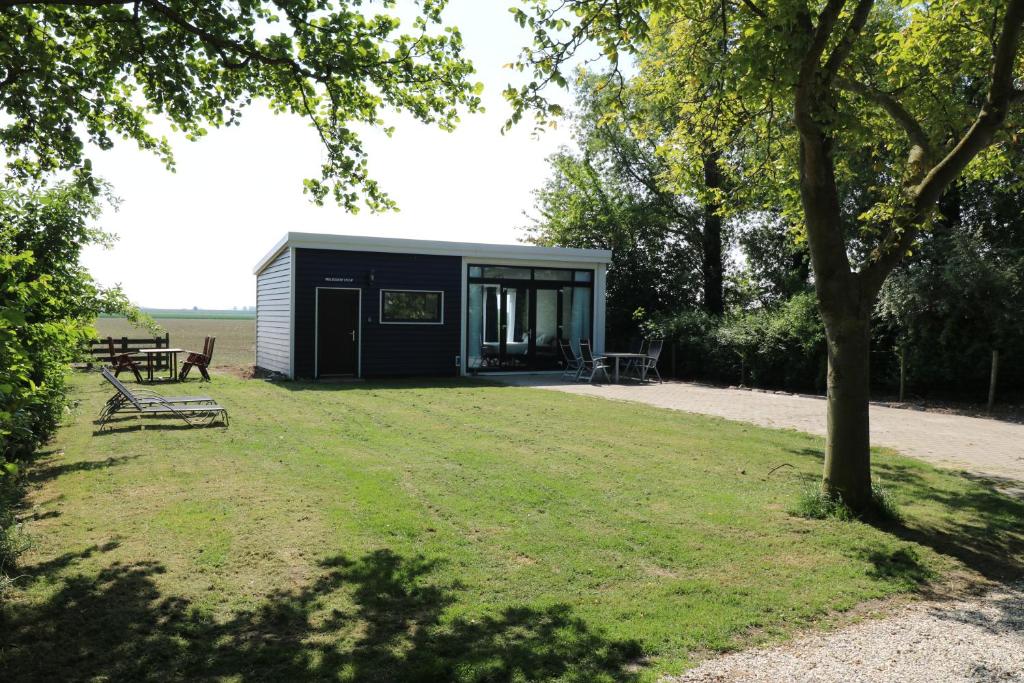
pixel 619 356
pixel 172 362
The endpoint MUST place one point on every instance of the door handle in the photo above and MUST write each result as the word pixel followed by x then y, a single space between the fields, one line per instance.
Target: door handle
pixel 353 333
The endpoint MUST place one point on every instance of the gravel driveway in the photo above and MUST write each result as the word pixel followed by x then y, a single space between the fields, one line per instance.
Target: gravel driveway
pixel 979 639
pixel 984 447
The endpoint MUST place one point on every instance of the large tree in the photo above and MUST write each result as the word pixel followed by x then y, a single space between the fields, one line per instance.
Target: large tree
pixel 73 71
pixel 611 193
pixel 917 91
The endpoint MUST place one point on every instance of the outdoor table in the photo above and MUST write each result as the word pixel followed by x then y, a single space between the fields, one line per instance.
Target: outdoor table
pixel 172 361
pixel 623 356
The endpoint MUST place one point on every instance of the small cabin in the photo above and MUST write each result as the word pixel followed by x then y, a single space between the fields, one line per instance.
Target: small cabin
pixel 350 306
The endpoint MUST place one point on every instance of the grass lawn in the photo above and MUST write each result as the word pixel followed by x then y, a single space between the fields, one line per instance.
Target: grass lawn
pixel 451 530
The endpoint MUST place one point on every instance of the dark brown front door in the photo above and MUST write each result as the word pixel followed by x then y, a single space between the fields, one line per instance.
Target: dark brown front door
pixel 337 331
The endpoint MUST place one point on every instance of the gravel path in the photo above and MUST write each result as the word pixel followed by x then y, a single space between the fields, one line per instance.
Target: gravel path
pixel 984 447
pixel 977 639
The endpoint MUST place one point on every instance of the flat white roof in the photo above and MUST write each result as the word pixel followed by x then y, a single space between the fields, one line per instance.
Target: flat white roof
pixel 312 240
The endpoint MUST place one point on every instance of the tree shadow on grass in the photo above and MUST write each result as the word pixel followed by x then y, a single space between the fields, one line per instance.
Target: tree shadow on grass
pixel 391 627
pixel 902 567
pixel 49 469
pixel 984 528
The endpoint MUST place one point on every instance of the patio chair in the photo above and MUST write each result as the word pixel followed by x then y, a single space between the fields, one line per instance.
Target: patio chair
pixel 636 346
pixel 195 411
pixel 122 361
pixel 591 364
pixel 650 364
pixel 199 360
pixel 573 363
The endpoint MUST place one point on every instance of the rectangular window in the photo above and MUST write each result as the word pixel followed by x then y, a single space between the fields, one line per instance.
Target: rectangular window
pixel 551 274
pixel 510 272
pixel 408 306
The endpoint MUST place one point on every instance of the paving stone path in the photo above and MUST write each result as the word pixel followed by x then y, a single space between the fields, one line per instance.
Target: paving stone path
pixel 988 448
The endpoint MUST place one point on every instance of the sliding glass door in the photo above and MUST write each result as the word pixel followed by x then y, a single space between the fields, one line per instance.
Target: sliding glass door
pixel 517 316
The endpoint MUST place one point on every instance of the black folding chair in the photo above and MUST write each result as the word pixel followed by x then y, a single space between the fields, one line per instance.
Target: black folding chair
pixel 592 364
pixel 647 365
pixel 572 363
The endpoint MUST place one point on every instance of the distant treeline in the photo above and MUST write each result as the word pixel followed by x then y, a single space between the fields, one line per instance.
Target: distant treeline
pixel 196 313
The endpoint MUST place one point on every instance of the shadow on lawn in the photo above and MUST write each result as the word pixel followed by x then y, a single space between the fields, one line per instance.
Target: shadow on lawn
pixel 118 626
pixel 987 534
pixel 47 469
pixel 902 566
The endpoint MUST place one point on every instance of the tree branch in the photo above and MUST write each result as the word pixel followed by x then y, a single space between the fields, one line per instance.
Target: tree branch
pixel 845 45
pixel 755 9
pixel 810 66
pixel 895 110
pixel 1001 96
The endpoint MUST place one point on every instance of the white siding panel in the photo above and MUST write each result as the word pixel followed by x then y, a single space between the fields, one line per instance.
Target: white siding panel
pixel 273 315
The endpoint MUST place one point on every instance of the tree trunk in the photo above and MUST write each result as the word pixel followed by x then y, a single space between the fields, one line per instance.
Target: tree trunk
pixel 711 238
pixel 993 378
pixel 903 374
pixel 847 450
pixel 846 311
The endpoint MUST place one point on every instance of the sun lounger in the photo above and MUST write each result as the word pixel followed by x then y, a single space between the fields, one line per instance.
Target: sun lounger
pixel 193 410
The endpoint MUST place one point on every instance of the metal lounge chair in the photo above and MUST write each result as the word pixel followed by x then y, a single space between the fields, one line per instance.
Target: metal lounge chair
pixel 591 364
pixel 650 364
pixel 193 410
pixel 572 364
pixel 147 395
pixel 199 360
pixel 122 361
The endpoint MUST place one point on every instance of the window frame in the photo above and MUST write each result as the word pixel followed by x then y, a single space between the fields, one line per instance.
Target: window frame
pixel 572 281
pixel 439 321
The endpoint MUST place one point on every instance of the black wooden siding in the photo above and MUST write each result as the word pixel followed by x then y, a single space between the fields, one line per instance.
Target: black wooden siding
pixel 390 349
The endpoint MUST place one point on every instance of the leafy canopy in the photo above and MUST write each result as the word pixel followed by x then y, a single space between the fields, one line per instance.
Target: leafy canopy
pixel 908 84
pixel 94 70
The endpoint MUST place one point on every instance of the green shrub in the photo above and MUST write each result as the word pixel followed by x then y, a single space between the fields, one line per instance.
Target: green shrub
pixel 815 503
pixel 48 303
pixel 780 347
pixel 13 539
pixel 883 506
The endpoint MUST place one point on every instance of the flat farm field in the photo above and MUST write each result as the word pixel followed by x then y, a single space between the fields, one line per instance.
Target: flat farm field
pixel 236 338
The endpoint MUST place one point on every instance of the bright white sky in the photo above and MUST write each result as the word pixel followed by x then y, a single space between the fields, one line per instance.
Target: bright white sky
pixel 191 238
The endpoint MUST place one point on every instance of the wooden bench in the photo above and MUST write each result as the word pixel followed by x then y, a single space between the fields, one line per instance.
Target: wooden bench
pixel 97 349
